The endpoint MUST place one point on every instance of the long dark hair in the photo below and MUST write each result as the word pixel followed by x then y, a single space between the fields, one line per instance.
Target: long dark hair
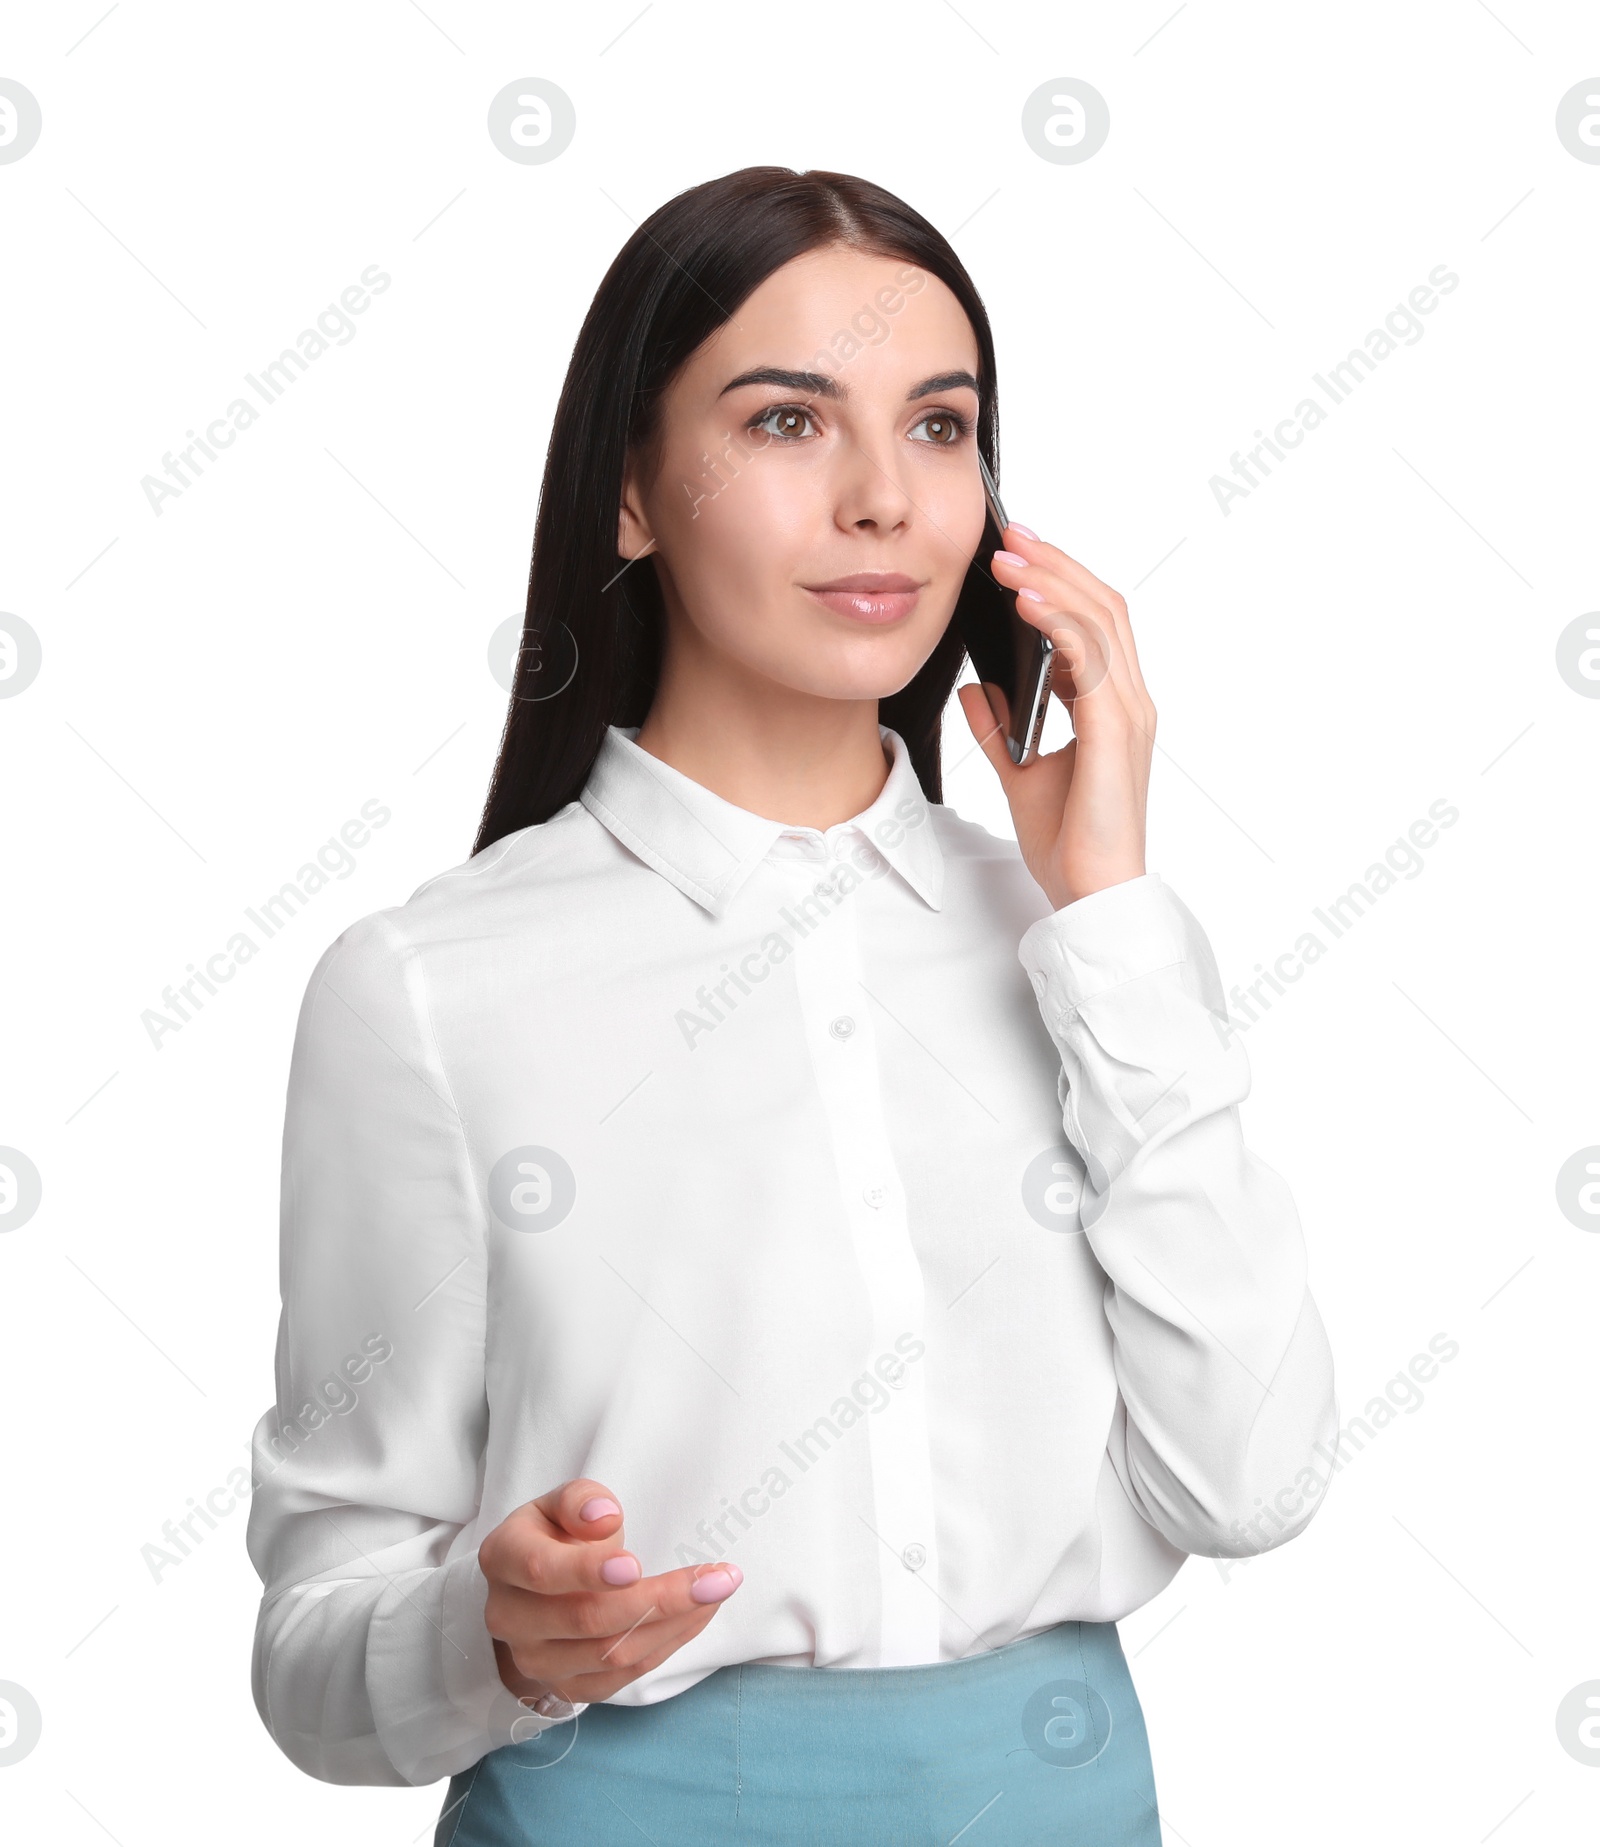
pixel 594 627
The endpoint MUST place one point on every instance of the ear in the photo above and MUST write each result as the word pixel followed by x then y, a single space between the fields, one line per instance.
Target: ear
pixel 634 536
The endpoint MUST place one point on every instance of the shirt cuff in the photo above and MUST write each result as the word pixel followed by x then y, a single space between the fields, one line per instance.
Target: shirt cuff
pixel 1096 943
pixel 437 1724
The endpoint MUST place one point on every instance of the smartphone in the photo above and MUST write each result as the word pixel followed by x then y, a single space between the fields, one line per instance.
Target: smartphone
pixel 1002 645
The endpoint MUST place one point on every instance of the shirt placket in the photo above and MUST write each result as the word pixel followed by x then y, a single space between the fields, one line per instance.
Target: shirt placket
pixel 842 1025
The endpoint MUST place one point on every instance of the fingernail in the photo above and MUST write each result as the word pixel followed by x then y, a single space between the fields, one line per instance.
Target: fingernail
pixel 597 1507
pixel 1033 596
pixel 1009 558
pixel 1017 526
pixel 714 1582
pixel 621 1568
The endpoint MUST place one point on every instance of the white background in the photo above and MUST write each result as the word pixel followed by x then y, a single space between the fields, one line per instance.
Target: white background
pixel 1371 630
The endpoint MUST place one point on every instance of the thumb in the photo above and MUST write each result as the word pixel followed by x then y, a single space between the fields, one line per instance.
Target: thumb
pixel 987 712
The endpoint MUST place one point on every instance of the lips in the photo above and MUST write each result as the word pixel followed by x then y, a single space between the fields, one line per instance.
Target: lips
pixel 869 596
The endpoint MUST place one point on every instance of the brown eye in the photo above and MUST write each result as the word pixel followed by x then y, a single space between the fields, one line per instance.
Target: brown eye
pixel 784 421
pixel 944 431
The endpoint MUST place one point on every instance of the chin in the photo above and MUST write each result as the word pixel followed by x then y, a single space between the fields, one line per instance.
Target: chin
pixel 880 683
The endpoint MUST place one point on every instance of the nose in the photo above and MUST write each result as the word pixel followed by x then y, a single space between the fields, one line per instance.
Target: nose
pixel 868 493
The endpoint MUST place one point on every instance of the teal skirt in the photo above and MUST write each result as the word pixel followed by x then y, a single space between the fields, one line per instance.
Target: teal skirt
pixel 1041 1741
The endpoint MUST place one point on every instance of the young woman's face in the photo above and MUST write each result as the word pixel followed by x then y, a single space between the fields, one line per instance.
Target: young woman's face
pixel 815 528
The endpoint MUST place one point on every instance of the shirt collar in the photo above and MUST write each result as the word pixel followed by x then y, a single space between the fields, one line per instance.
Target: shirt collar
pixel 707 847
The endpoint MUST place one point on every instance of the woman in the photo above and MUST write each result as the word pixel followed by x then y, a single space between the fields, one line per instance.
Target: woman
pixel 781 1260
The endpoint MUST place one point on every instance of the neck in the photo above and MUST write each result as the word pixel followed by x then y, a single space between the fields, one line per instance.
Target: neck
pixel 774 751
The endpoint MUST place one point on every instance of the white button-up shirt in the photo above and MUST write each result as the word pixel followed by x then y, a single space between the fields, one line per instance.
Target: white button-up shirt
pixel 848 1212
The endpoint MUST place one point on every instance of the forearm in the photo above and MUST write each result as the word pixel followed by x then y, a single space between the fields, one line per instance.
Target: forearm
pixel 1221 1357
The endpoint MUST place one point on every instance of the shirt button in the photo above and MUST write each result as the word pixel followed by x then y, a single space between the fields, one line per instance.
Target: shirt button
pixel 874 1195
pixel 914 1557
pixel 842 1027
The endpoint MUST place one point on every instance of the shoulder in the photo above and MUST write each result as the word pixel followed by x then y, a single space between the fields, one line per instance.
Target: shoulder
pixel 986 877
pixel 964 839
pixel 378 958
pixel 980 854
pixel 525 860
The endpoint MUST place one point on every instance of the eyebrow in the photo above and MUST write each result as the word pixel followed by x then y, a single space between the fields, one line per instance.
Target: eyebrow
pixel 819 384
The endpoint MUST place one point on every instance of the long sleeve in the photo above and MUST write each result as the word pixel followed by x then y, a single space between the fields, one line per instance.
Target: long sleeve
pixel 1220 1355
pixel 372 1663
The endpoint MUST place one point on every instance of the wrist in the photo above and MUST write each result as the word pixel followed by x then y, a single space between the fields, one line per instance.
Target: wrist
pixel 1062 893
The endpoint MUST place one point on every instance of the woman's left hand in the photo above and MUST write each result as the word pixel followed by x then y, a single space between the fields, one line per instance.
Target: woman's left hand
pixel 1079 813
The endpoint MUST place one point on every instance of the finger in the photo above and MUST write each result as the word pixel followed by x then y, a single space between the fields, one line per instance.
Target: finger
pixel 529 1552
pixel 1056 568
pixel 1040 551
pixel 1042 591
pixel 527 1618
pixel 565 1634
pixel 594 1614
pixel 1081 629
pixel 654 1638
pixel 642 1656
pixel 586 1509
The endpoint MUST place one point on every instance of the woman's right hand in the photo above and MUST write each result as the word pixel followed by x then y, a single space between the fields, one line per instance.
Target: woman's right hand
pixel 570 1611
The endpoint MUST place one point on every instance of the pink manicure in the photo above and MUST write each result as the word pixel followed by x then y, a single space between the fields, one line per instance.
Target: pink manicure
pixel 621 1568
pixel 1015 526
pixel 1009 558
pixel 712 1585
pixel 597 1507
